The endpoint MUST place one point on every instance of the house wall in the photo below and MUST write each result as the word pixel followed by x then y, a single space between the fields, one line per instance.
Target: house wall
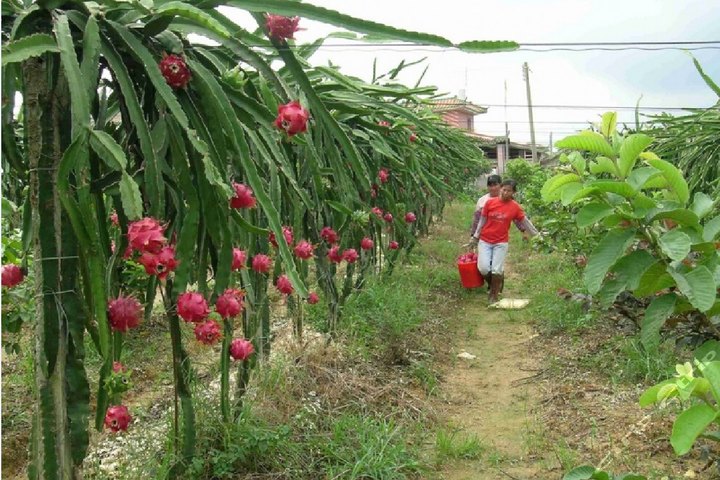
pixel 459 119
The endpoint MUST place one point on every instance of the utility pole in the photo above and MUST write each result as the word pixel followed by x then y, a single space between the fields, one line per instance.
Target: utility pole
pixel 526 77
pixel 551 144
pixel 507 132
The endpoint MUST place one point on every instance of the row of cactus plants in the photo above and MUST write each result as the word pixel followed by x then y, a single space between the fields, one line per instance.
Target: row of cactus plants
pixel 134 146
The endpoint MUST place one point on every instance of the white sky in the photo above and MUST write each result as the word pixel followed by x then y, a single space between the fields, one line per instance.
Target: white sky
pixel 663 78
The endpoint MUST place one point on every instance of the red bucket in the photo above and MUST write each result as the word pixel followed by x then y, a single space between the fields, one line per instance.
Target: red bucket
pixel 470 275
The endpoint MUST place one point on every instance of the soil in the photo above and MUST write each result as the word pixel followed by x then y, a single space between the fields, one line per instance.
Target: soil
pixel 538 409
pixel 493 396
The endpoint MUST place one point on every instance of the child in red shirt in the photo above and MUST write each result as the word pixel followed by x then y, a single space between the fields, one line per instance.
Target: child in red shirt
pixel 492 235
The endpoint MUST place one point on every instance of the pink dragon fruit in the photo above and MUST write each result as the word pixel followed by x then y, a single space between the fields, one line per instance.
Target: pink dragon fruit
pixel 287 233
pixel 192 307
pixel 281 28
pixel 175 71
pixel 230 303
pixel 261 263
pixel 329 235
pixel 410 217
pixel 241 349
pixel 283 285
pixel 366 243
pixel 304 250
pixel 313 298
pixel 350 255
pixel 292 118
pixel 383 175
pixel 124 313
pixel 11 275
pixel 208 332
pixel 334 254
pixel 388 217
pixel 117 418
pixel 146 235
pixel 239 259
pixel 160 264
pixel 243 196
pixel 393 245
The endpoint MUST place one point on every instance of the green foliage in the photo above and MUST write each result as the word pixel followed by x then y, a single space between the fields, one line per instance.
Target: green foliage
pixel 592 473
pixel 451 445
pixel 554 222
pixel 118 134
pixel 641 204
pixel 690 142
pixel 699 395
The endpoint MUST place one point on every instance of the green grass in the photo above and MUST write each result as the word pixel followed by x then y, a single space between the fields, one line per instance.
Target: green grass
pixel 451 445
pixel 626 361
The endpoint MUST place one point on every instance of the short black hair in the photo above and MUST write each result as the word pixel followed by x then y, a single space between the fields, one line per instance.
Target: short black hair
pixel 494 180
pixel 510 183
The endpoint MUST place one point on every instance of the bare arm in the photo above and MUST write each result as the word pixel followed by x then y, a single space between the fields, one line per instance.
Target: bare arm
pixel 481 222
pixel 526 226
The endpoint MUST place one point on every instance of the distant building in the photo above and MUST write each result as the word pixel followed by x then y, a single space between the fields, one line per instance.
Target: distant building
pixel 461 113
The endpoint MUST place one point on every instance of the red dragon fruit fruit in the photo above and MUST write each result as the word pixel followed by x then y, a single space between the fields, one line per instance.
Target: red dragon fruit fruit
pixel 230 303
pixel 11 275
pixel 334 254
pixel 292 118
pixel 350 255
pixel 283 285
pixel 366 243
pixel 117 418
pixel 239 259
pixel 329 235
pixel 384 123
pixel 413 137
pixel 118 367
pixel 287 233
pixel 281 28
pixel 377 211
pixel 175 71
pixel 208 332
pixel 241 349
pixel 388 217
pixel 114 218
pixel 393 245
pixel 146 235
pixel 243 196
pixel 467 258
pixel 261 263
pixel 124 313
pixel 160 264
pixel 313 298
pixel 304 250
pixel 383 175
pixel 410 217
pixel 192 307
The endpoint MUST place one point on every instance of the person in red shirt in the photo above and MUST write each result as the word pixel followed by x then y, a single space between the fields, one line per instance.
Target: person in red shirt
pixel 492 235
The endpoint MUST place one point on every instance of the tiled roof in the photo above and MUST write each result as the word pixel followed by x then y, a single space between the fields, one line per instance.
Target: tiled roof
pixel 454 103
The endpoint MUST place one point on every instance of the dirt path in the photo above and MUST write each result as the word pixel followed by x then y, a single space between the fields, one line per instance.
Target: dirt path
pixel 491 396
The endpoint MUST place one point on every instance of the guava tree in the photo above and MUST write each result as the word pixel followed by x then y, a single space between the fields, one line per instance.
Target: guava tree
pixel 132 147
pixel 657 242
